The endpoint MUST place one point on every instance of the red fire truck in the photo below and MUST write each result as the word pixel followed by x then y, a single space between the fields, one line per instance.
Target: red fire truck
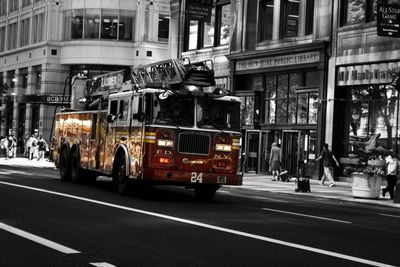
pixel 160 123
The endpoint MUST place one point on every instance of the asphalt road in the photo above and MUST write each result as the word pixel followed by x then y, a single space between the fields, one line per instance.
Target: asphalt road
pixel 45 222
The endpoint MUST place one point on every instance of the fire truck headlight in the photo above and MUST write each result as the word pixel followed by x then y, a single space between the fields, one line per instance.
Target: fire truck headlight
pixel 165 143
pixel 223 148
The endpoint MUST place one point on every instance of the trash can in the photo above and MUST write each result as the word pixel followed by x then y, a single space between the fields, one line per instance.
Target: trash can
pixel 396 198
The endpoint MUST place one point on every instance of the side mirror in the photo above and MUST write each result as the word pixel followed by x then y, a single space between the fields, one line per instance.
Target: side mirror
pixel 111 118
pixel 138 116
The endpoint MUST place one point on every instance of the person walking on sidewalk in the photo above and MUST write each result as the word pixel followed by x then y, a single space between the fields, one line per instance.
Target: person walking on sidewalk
pixel 275 161
pixel 42 146
pixel 391 175
pixel 328 159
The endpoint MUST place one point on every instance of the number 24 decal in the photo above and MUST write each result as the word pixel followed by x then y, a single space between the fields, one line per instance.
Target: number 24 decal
pixel 196 177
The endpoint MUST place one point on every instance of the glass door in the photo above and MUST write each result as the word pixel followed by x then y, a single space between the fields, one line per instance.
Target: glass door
pixel 290 151
pixel 252 151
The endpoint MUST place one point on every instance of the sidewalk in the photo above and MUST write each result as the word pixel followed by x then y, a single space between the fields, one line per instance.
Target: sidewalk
pixel 22 161
pixel 262 182
pixel 342 190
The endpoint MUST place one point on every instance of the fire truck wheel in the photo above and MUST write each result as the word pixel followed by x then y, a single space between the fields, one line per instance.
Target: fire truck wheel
pixel 205 192
pixel 75 170
pixel 65 170
pixel 120 178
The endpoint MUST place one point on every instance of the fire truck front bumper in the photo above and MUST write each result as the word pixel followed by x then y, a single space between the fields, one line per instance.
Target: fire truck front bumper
pixel 188 177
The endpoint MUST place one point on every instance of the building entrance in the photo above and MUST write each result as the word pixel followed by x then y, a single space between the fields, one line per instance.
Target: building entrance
pixel 257 149
pixel 298 152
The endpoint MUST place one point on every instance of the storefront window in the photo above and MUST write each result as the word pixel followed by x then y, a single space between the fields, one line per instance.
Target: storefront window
pixel 373 110
pixel 247 110
pixel 302 108
pixel 289 98
pixel 313 109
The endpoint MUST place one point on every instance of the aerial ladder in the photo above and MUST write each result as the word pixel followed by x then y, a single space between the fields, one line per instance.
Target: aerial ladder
pixel 174 73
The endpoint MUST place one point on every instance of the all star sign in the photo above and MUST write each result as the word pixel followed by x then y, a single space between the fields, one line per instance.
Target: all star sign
pixel 388 20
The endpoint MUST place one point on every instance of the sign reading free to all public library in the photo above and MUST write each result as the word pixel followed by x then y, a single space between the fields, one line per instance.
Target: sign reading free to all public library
pixel 388 20
pixel 270 62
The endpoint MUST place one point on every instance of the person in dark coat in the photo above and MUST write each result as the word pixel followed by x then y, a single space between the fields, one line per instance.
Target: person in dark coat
pixel 275 161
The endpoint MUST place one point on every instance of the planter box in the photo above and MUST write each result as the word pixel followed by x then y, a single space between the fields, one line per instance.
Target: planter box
pixel 353 161
pixel 376 162
pixel 366 186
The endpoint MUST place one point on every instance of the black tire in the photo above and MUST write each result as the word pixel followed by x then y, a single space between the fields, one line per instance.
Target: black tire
pixel 205 192
pixel 120 179
pixel 65 170
pixel 76 172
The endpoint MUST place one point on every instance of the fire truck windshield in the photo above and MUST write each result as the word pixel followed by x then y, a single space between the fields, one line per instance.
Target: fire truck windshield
pixel 218 114
pixel 177 111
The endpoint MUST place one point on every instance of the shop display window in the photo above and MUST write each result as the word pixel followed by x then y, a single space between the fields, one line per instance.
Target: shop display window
pixel 372 110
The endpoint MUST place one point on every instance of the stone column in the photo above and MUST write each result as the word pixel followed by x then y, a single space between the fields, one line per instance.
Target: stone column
pixel 29 91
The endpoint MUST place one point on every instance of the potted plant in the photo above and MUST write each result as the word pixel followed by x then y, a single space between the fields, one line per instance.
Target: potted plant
pixel 366 167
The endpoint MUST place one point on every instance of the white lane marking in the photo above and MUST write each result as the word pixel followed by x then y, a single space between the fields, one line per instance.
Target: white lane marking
pixel 38 239
pixel 389 215
pixel 305 215
pixel 209 226
pixel 101 264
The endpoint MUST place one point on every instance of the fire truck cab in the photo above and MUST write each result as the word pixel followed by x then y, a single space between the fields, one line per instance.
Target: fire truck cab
pixel 159 132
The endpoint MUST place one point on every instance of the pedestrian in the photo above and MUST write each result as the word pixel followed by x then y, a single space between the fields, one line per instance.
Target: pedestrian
pixel 328 159
pixel 391 174
pixel 32 147
pixel 42 146
pixel 275 161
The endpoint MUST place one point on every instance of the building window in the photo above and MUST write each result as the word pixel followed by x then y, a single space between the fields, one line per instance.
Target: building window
pixel 12 36
pixel 109 23
pixel 3 7
pixel 358 11
pixel 163 27
pixel 290 18
pixel 11 79
pixel 266 15
pixel 77 24
pixel 23 78
pixel 37 28
pixel 92 24
pixel 125 25
pixel 24 32
pixel 37 78
pixel 96 23
pixel 2 39
pixel 217 32
pixel 296 18
pixel 291 99
pixel 26 3
pixel 13 5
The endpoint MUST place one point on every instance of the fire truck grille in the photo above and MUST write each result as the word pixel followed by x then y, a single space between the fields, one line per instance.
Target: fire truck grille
pixel 190 143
